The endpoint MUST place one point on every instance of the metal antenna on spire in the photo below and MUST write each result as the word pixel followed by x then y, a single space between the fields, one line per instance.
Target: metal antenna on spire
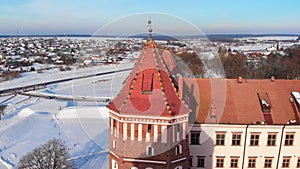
pixel 150 26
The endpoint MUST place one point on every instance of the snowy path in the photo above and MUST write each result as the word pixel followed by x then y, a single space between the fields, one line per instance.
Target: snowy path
pixel 65 97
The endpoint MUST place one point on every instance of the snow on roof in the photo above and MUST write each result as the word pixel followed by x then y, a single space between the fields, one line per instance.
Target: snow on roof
pixel 241 104
pixel 297 96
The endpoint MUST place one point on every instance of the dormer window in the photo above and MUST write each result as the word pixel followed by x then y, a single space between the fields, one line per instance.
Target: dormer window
pixel 174 82
pixel 265 102
pixel 265 105
pixel 147 83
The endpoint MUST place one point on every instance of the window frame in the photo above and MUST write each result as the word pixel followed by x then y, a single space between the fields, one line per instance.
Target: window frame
pixel 220 141
pixel 268 162
pixel 220 162
pixel 200 161
pixel 149 128
pixel 193 138
pixel 152 151
pixel 114 164
pixel 252 162
pixel 286 162
pixel 234 162
pixel 178 149
pixel 289 141
pixel 191 161
pixel 270 140
pixel 298 163
pixel 254 141
pixel 236 141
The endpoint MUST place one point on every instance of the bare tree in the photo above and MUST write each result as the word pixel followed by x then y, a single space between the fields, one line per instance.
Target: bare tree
pixel 51 155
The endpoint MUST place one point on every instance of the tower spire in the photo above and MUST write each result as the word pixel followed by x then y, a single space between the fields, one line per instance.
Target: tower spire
pixel 138 136
pixel 150 28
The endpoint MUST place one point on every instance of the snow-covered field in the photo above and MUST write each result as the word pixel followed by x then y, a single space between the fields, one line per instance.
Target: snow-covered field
pixel 30 78
pixel 261 43
pixel 266 38
pixel 83 126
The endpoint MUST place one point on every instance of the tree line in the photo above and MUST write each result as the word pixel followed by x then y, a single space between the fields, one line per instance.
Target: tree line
pixel 262 67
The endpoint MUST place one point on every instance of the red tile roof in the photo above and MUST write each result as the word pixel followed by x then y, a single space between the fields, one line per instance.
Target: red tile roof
pixel 149 90
pixel 239 103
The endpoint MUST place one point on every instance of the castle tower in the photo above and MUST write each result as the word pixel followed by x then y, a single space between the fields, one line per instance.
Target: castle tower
pixel 148 120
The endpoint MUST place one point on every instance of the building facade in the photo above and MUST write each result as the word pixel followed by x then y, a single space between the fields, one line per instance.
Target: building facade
pixel 244 146
pixel 253 124
pixel 157 122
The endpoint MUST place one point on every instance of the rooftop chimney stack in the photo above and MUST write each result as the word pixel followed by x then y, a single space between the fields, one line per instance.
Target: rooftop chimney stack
pixel 272 78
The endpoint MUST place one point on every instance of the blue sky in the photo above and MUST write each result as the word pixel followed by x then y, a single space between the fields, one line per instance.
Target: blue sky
pixel 87 16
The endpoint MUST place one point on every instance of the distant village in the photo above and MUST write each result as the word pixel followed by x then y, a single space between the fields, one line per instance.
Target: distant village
pixel 18 55
pixel 251 57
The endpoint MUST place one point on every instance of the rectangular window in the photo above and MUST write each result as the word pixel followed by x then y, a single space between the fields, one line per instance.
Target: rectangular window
pixel 201 161
pixel 149 127
pixel 234 162
pixel 271 139
pixel 252 162
pixel 191 161
pixel 220 162
pixel 178 149
pixel 220 139
pixel 195 135
pixel 268 162
pixel 286 162
pixel 236 139
pixel 298 162
pixel 114 123
pixel 289 139
pixel 254 139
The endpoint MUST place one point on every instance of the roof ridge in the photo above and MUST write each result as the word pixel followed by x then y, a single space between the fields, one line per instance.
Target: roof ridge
pixel 161 82
pixel 134 79
pixel 170 80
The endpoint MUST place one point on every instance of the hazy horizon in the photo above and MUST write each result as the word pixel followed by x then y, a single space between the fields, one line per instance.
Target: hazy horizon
pixel 211 17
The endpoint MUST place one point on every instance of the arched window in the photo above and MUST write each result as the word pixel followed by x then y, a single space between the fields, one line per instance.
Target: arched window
pixel 149 151
pixel 178 167
pixel 178 149
pixel 114 164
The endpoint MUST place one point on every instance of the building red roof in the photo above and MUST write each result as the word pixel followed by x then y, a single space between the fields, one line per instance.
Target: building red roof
pixel 148 90
pixel 227 101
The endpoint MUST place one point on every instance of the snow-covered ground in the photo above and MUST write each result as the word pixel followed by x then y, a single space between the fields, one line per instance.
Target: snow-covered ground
pixel 30 78
pixel 83 126
pixel 266 38
pixel 264 42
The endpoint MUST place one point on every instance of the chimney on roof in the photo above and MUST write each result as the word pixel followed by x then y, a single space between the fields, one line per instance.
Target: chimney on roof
pixel 213 110
pixel 240 79
pixel 272 79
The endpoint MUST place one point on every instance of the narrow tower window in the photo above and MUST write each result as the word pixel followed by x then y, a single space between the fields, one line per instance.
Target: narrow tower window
pixel 149 151
pixel 149 127
pixel 178 149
